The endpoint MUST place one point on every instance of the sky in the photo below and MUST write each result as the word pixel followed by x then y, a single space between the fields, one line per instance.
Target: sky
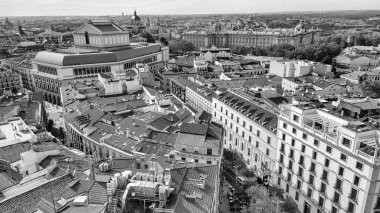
pixel 116 7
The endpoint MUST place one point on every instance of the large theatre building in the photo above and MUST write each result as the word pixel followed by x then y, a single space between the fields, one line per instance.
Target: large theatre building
pixel 99 47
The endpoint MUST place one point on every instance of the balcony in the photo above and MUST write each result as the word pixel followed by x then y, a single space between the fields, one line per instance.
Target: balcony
pixel 365 155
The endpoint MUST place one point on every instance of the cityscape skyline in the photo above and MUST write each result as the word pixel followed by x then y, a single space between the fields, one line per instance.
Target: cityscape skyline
pixel 82 8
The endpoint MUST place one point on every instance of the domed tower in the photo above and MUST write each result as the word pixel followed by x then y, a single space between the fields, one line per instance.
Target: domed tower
pixel 147 24
pixel 135 19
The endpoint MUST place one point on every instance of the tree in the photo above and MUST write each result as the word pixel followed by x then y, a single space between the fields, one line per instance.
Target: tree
pixel 371 89
pixel 164 41
pixel 148 36
pixel 180 46
pixel 260 200
pixel 14 90
pixel 289 206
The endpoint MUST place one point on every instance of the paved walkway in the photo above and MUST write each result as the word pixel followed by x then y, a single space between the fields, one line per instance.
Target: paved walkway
pixel 225 206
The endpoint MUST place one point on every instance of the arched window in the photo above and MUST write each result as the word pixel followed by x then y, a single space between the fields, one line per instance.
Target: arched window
pixel 87 38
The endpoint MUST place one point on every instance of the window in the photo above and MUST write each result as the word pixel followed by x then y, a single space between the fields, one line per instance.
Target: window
pixel 321 201
pixel 328 149
pixel 258 133
pixel 250 139
pixel 257 144
pixel 356 180
pixel 232 116
pixel 312 167
pixel 268 140
pixel 351 207
pixel 283 137
pixel 293 142
pixel 294 131
pixel 353 194
pixel 281 158
pixel 338 184
pixel 237 129
pixel 289 177
pixel 303 148
pixel 336 197
pixel 325 175
pixel 304 136
pixel 243 134
pixel 346 142
pixel 334 210
pixel 323 188
pixel 243 123
pixel 284 125
pixel 183 159
pixel 359 166
pixel 341 171
pixel 267 152
pixel 250 128
pixel 249 151
pixel 343 157
pixel 300 172
pixel 209 162
pixel 309 192
pixel 299 185
pixel 327 163
pixel 86 37
pixel 296 118
pixel 209 151
pixel 301 161
pixel 311 179
pixel 314 155
pixel 280 170
pixel 291 154
pixel 316 142
pixel 279 181
pixel 242 147
pixel 237 119
pixel 297 196
pixel 287 188
pixel 290 166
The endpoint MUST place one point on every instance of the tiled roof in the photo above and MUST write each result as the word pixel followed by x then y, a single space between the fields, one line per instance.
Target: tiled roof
pixel 12 153
pixel 27 202
pixel 49 159
pixel 160 124
pixel 135 126
pixel 155 148
pixel 77 188
pixel 98 193
pixel 6 181
pixel 250 110
pixel 162 137
pixel 196 129
pixel 184 186
pixel 183 114
pixel 122 142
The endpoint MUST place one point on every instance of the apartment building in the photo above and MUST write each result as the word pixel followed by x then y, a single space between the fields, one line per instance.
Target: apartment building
pixel 250 129
pixel 328 160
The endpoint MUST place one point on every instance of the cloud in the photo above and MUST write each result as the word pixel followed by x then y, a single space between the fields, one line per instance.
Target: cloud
pixel 115 7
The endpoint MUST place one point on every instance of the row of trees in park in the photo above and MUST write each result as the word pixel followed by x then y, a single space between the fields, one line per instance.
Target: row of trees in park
pixel 322 51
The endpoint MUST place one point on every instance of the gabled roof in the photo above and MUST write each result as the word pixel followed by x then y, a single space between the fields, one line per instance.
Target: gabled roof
pixel 12 153
pixel 77 187
pixel 196 129
pixel 27 202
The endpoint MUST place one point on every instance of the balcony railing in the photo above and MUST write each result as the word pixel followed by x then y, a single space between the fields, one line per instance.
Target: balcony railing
pixel 365 155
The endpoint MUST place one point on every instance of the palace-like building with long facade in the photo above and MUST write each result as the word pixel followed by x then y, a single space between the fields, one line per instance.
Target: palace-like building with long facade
pixel 265 38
